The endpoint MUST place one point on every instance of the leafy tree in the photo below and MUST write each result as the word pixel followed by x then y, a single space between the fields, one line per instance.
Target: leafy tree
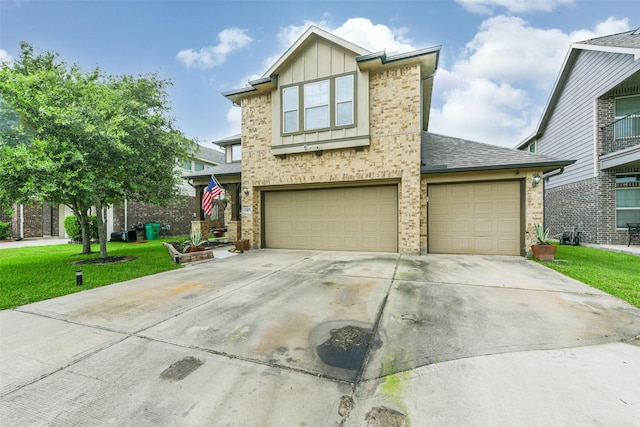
pixel 84 139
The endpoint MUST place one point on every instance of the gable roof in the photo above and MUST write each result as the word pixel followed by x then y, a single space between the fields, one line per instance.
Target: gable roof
pixel 311 34
pixel 445 154
pixel 366 60
pixel 627 43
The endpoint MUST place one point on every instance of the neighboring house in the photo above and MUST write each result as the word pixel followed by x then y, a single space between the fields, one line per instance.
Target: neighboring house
pixel 38 220
pixel 593 116
pixel 335 155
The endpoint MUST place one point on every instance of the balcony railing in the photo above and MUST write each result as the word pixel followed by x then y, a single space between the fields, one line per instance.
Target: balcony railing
pixel 621 133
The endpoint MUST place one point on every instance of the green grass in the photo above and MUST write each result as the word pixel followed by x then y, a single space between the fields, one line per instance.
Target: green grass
pixel 615 273
pixel 37 273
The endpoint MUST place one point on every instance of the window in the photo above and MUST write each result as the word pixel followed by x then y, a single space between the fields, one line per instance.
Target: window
pixel 532 147
pixel 344 101
pixel 197 166
pixel 627 199
pixel 290 109
pixel 627 117
pixel 186 165
pixel 236 152
pixel 324 104
pixel 316 105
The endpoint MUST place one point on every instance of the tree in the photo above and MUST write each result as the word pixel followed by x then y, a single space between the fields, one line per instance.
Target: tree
pixel 84 139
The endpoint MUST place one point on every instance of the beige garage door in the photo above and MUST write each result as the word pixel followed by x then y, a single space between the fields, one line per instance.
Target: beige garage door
pixel 351 219
pixel 475 218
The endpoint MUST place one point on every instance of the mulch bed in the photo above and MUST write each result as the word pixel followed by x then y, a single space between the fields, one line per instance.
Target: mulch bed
pixel 107 260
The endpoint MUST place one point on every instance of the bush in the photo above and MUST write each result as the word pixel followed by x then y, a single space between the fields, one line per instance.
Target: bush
pixel 4 230
pixel 73 229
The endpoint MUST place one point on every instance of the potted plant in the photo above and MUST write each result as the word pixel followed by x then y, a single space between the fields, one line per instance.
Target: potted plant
pixel 194 244
pixel 542 247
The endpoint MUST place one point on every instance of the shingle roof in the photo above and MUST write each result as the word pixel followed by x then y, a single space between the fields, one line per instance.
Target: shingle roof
pixel 223 169
pixel 209 154
pixel 628 39
pixel 442 154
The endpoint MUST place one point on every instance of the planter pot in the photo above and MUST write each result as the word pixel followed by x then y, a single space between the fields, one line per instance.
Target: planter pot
pixel 242 245
pixel 195 249
pixel 544 252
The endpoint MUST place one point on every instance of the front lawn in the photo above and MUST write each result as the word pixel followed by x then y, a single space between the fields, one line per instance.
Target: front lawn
pixel 616 273
pixel 37 273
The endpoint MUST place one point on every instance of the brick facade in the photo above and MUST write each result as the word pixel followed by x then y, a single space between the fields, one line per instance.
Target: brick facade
pixel 392 156
pixel 590 204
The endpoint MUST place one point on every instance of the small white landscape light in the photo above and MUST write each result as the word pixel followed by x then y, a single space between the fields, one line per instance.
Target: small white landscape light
pixel 536 180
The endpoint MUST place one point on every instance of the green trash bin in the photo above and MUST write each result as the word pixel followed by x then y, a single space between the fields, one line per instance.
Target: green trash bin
pixel 152 230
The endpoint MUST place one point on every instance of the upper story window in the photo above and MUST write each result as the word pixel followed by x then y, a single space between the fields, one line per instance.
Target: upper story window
pixel 344 101
pixel 316 105
pixel 627 118
pixel 198 166
pixel 324 104
pixel 290 109
pixel 236 152
pixel 532 147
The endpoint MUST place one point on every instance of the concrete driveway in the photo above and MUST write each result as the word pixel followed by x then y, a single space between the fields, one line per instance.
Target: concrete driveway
pixel 307 338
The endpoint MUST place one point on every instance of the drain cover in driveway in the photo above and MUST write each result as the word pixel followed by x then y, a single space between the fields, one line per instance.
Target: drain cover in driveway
pixel 346 348
pixel 181 369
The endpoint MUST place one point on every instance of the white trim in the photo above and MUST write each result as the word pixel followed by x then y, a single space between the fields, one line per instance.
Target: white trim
pixel 611 49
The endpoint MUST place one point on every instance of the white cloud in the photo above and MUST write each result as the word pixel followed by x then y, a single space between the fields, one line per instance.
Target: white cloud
pixel 505 73
pixel 5 58
pixel 230 39
pixel 516 6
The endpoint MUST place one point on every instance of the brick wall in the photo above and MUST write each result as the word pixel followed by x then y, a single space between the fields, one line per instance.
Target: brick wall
pixel 175 220
pixel 393 154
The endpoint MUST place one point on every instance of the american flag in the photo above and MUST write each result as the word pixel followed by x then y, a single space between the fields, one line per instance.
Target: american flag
pixel 212 191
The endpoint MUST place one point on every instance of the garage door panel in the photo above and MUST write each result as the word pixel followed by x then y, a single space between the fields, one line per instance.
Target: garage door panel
pixel 358 218
pixel 486 221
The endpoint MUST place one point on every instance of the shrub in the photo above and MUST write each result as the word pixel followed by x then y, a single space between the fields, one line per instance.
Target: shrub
pixel 4 230
pixel 73 229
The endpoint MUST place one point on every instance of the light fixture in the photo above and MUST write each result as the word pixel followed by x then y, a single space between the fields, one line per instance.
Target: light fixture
pixel 536 180
pixel 245 190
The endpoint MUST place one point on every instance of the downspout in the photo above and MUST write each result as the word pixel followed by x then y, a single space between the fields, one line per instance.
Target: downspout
pixel 126 215
pixel 544 195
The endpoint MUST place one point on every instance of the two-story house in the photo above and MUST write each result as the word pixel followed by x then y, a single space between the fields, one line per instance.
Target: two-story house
pixel 334 154
pixel 593 116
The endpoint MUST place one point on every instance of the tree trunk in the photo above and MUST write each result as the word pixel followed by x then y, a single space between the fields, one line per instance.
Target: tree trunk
pixel 102 229
pixel 83 219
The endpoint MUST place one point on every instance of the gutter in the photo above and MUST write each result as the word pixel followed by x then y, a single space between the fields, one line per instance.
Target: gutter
pixel 551 175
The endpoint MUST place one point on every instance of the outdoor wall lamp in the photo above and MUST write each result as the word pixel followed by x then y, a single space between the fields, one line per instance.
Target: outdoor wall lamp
pixel 245 191
pixel 536 180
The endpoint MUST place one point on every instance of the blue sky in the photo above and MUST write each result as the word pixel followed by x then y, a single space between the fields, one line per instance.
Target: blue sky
pixel 499 58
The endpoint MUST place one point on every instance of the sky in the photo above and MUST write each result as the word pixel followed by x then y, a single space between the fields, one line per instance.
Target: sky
pixel 498 63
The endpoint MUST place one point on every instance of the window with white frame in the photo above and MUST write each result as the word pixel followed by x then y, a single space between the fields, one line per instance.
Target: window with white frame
pixel 324 104
pixel 627 117
pixel 344 101
pixel 236 152
pixel 627 199
pixel 290 109
pixel 316 105
pixel 532 147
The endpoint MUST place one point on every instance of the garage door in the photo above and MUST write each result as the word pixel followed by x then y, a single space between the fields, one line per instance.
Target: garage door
pixel 351 219
pixel 475 218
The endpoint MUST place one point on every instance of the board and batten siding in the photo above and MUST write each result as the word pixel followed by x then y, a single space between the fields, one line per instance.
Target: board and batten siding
pixel 322 60
pixel 569 133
